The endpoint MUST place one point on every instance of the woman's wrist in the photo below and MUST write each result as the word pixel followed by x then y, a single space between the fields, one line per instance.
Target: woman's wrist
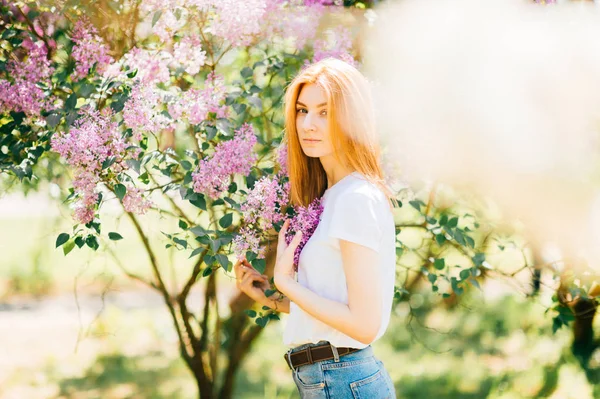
pixel 283 283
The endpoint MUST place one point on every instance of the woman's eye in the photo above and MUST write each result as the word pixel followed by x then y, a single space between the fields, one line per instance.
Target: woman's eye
pixel 323 112
pixel 301 111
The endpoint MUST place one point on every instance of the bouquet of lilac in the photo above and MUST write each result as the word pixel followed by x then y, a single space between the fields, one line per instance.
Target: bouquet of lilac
pixel 268 207
pixel 306 220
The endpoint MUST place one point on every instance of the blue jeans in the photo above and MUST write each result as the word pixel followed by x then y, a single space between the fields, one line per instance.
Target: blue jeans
pixel 358 375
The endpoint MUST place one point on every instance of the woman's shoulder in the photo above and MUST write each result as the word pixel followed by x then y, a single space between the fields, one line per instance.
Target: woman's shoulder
pixel 359 188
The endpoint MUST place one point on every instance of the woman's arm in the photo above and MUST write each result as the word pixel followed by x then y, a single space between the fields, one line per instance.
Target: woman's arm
pixel 254 284
pixel 360 319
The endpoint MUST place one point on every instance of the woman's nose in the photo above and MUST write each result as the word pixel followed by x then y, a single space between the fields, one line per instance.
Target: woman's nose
pixel 308 124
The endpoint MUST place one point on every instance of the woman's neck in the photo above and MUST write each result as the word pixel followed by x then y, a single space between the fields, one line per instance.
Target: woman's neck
pixel 334 169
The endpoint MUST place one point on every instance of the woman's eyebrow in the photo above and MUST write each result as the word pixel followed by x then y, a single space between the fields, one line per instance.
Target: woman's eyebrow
pixel 318 106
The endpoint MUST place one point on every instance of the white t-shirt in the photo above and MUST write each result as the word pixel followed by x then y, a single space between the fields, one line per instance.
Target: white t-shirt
pixel 353 210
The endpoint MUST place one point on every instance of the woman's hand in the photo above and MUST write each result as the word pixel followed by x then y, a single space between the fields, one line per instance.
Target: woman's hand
pixel 250 281
pixel 284 266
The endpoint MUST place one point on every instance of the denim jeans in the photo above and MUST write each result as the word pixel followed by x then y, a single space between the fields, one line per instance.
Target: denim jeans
pixel 358 375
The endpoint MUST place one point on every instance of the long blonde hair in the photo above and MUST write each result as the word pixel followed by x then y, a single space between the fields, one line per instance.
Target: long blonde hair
pixel 350 120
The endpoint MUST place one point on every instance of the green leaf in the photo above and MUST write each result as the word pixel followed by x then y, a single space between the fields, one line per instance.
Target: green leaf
pixel 108 162
pixel 556 324
pixel 187 165
pixel 181 242
pixel 459 237
pixel 432 277
pixel 269 292
pixel 260 265
pixel 156 17
pixel 250 256
pixel 79 241
pixel 199 202
pixel 196 251
pixel 61 239
pixel 262 321
pixel 439 263
pixel 223 261
pixel 478 259
pixel 53 119
pixel 465 274
pixel 226 220
pixel 71 102
pixel 183 225
pixel 470 241
pixel 246 72
pixel 120 191
pixel 199 231
pixel 68 247
pixel 115 236
pixel 250 313
pixel 440 239
pixel 443 220
pixel 207 271
pixel 453 222
pixel 92 242
pixel 416 205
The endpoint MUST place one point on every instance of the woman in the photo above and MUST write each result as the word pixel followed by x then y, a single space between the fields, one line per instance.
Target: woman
pixel 341 300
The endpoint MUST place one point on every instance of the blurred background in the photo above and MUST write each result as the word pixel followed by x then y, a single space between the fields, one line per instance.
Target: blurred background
pixel 487 304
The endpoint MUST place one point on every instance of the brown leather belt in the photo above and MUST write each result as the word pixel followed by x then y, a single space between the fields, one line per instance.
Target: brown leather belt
pixel 314 354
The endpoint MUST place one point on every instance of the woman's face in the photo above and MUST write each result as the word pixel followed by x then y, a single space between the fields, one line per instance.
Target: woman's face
pixel 311 122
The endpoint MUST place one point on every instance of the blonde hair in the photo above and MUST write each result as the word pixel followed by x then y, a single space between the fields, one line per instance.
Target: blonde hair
pixel 350 120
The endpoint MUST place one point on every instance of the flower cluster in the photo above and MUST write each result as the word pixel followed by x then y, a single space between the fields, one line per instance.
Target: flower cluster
pixel 24 94
pixel 282 155
pixel 298 21
pixel 248 240
pixel 89 50
pixel 94 148
pixel 152 66
pixel 134 201
pixel 88 144
pixel 195 105
pixel 305 220
pixel 187 54
pixel 238 22
pixel 264 204
pixel 230 157
pixel 338 44
pixel 142 111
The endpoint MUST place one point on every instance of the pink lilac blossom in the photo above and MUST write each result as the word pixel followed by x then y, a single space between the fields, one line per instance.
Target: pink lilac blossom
pixel 282 155
pixel 89 49
pixel 86 146
pixel 134 201
pixel 263 206
pixel 24 94
pixel 238 22
pixel 232 156
pixel 188 54
pixel 142 111
pixel 292 20
pixel 247 240
pixel 337 45
pixel 306 220
pixel 195 105
pixel 170 21
pixel 152 66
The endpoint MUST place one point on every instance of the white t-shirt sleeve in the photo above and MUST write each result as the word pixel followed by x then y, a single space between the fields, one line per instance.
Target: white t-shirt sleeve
pixel 355 219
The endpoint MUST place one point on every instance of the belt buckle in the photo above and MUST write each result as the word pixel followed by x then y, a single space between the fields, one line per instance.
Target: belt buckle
pixel 288 358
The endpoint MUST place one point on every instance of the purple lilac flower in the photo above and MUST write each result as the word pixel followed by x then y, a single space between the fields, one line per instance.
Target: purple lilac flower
pixel 88 144
pixel 306 220
pixel 89 49
pixel 23 94
pixel 135 202
pixel 238 21
pixel 188 54
pixel 230 157
pixel 338 45
pixel 142 111
pixel 247 240
pixel 282 154
pixel 263 206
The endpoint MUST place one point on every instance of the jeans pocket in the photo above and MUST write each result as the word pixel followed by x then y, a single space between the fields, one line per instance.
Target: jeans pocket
pixel 309 377
pixel 373 387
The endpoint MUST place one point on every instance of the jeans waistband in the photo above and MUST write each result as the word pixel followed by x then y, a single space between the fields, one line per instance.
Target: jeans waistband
pixel 367 351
